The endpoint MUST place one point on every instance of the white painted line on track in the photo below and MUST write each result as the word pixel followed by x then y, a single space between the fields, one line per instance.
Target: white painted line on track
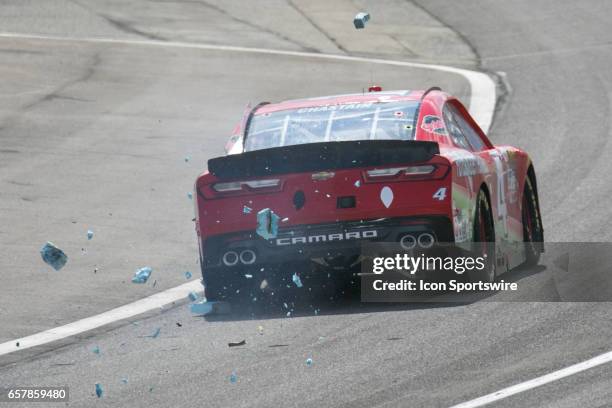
pixel 537 382
pixel 482 94
pixel 123 312
pixel 482 107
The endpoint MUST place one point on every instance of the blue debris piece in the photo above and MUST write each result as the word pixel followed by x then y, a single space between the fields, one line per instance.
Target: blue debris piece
pixel 201 308
pixel 96 350
pixel 155 334
pixel 124 380
pixel 233 378
pixel 89 234
pixel 188 275
pixel 53 256
pixel 267 224
pixel 142 275
pixel 297 280
pixel 309 362
pixel 187 158
pixel 190 195
pixel 247 210
pixel 193 296
pixel 99 390
pixel 361 19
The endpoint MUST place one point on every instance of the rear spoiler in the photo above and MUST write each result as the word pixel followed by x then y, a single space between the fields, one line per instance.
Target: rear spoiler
pixel 313 157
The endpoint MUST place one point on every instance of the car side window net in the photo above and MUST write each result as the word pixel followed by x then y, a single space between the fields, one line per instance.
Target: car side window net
pixel 363 121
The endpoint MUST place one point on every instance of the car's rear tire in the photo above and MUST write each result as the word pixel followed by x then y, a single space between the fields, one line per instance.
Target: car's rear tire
pixel 532 224
pixel 484 240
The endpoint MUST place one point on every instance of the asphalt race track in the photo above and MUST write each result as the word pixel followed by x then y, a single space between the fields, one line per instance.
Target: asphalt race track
pixel 94 135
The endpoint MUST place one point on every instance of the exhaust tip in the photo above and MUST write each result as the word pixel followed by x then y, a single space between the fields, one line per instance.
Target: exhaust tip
pixel 248 257
pixel 408 242
pixel 426 240
pixel 230 258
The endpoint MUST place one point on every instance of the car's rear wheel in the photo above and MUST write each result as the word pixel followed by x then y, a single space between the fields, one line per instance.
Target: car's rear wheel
pixel 484 240
pixel 532 224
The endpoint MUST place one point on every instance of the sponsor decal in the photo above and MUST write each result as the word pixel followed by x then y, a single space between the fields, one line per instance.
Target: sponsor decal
pixel 462 227
pixel 512 186
pixel 317 238
pixel 433 124
pixel 327 108
pixel 469 166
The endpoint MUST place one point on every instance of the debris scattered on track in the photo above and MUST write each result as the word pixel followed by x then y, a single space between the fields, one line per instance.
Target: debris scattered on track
pixel 263 284
pixel 89 234
pixel 260 330
pixel 247 210
pixel 99 390
pixel 178 324
pixel 236 344
pixel 96 350
pixel 142 275
pixel 193 296
pixel 190 195
pixel 233 378
pixel 309 362
pixel 201 308
pixel 17 344
pixel 361 19
pixel 267 224
pixel 124 380
pixel 358 183
pixel 296 279
pixel 187 158
pixel 53 256
pixel 188 275
pixel 248 276
pixel 155 334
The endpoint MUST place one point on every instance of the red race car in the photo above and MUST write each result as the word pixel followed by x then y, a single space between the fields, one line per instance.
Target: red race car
pixel 311 179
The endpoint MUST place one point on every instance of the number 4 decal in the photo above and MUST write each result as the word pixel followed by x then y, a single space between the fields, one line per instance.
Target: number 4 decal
pixel 440 194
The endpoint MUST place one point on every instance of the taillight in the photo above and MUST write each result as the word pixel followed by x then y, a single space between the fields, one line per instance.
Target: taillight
pixel 262 183
pixel 240 185
pixel 225 187
pixel 425 171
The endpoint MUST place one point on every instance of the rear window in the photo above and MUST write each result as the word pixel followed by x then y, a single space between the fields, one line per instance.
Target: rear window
pixel 333 123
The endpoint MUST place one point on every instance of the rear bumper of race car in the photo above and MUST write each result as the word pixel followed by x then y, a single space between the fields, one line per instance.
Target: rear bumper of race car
pixel 337 241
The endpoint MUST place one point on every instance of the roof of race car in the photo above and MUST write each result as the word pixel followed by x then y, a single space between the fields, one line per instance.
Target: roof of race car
pixel 366 97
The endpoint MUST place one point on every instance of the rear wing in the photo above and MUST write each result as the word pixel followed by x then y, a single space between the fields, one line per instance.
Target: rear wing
pixel 313 157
